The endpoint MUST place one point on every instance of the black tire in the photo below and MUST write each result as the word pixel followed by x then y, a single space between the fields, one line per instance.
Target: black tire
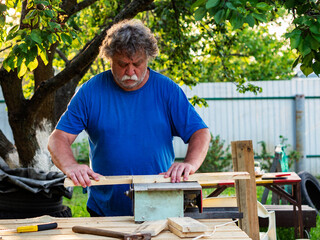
pixel 24 201
pixel 24 204
pixel 63 212
pixel 310 190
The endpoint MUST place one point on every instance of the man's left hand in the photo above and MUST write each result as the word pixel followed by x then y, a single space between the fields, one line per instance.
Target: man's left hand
pixel 177 170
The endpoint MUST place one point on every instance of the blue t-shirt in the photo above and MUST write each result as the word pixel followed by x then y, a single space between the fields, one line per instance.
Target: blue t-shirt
pixel 130 132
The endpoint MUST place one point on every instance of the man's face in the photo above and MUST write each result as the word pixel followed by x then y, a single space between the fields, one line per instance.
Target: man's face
pixel 130 73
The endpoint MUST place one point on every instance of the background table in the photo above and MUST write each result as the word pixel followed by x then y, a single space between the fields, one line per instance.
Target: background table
pixel 274 184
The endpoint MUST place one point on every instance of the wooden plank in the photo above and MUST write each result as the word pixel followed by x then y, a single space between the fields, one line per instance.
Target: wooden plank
pixel 202 178
pixel 187 224
pixel 184 234
pixel 225 230
pixel 164 236
pixel 243 160
pixel 167 186
pixel 152 227
pixel 219 202
pixel 287 208
pixel 47 218
pixel 60 237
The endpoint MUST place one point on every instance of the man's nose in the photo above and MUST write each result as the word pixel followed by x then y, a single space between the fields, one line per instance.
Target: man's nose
pixel 130 70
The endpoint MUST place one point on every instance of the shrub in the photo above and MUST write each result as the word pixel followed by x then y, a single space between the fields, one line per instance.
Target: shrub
pixel 217 159
pixel 81 150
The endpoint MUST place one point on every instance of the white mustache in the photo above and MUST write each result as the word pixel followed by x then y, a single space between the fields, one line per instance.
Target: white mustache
pixel 126 77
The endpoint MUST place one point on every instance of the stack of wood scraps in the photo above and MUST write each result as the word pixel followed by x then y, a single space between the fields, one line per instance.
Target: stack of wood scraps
pixel 186 227
pixel 180 226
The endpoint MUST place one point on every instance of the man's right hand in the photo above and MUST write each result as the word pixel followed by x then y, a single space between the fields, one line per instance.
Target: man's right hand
pixel 81 174
pixel 59 146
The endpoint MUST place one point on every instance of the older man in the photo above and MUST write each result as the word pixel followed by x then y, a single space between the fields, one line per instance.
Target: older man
pixel 131 114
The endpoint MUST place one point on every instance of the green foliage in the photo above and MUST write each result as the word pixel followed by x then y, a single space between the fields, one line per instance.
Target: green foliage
pixel 236 12
pixel 246 55
pixel 217 159
pixel 87 25
pixel 43 26
pixel 173 26
pixel 197 101
pixel 285 233
pixel 81 150
pixel 315 232
pixel 78 203
pixel 265 158
pixel 28 86
pixel 3 9
pixel 230 191
pixel 305 37
pixel 190 51
pixel 204 51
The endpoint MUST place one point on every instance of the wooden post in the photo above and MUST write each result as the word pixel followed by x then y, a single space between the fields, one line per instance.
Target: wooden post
pixel 243 160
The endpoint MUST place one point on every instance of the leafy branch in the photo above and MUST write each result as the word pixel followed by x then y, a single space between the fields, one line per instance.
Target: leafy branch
pixel 304 38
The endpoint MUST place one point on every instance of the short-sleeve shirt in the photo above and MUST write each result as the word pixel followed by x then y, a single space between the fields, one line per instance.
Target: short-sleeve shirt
pixel 130 132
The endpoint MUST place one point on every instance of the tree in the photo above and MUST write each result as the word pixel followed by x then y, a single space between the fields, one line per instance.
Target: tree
pixel 54 46
pixel 44 28
pixel 205 51
pixel 304 38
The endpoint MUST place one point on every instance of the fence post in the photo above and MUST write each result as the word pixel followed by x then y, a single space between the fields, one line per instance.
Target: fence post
pixel 300 132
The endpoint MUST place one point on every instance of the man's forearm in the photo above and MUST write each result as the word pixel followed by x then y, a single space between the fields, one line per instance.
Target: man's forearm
pixel 197 151
pixel 198 148
pixel 60 150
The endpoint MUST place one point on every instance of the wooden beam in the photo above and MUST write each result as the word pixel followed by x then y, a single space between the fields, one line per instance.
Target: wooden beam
pixel 202 178
pixel 243 160
pixel 187 224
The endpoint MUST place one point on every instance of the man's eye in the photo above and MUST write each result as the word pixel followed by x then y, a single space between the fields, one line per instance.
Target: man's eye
pixel 137 64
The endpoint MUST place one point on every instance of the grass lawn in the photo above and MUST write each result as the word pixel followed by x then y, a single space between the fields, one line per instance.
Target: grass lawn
pixel 78 203
pixel 79 200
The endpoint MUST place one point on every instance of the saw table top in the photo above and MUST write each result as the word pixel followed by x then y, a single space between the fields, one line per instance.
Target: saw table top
pixel 123 224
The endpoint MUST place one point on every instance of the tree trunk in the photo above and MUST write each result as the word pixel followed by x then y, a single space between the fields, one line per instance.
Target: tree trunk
pixel 20 119
pixel 43 72
pixel 64 94
pixel 7 150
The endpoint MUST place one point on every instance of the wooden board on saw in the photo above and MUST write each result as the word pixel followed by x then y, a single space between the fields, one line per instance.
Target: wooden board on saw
pixel 202 178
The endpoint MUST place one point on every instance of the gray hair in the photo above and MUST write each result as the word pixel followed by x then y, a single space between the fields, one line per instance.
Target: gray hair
pixel 129 37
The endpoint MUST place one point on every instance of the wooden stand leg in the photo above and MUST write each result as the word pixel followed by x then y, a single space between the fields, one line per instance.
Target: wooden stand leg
pixel 243 160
